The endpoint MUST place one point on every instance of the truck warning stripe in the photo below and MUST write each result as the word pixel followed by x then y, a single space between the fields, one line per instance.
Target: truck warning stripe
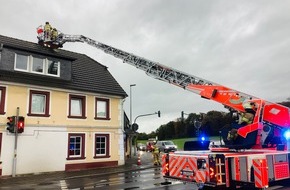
pixel 179 165
pixel 260 173
pixel 164 164
pixel 237 167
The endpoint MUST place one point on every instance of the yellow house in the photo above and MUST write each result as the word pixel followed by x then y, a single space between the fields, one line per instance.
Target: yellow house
pixel 72 105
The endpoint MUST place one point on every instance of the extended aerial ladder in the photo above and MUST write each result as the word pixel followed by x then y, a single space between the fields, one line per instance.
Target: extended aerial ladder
pixel 270 119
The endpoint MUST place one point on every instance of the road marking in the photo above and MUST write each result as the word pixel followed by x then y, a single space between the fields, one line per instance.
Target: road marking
pixel 63 185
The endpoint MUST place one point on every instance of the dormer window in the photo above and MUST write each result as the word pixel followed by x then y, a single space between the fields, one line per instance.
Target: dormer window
pixel 37 65
pixel 52 68
pixel 21 62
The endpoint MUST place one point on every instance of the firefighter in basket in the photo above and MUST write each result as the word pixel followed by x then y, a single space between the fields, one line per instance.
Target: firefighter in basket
pixel 54 34
pixel 156 155
pixel 47 31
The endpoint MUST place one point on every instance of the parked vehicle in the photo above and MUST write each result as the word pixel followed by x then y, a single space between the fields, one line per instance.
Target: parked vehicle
pixel 141 146
pixel 166 146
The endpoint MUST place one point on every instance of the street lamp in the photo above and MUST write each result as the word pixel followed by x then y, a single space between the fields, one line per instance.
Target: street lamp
pixel 131 85
pixel 131 136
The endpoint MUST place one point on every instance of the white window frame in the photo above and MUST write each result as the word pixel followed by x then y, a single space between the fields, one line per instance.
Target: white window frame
pixel 102 109
pixel 83 100
pixel 47 95
pixel 82 137
pixel 107 147
pixel 43 103
pixel 99 143
pixel 46 68
pixel 43 66
pixel 75 144
pixel 107 104
pixel 76 106
pixel 29 65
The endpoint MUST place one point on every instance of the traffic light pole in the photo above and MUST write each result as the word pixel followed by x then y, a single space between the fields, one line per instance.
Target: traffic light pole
pixel 15 144
pixel 158 113
pixel 147 115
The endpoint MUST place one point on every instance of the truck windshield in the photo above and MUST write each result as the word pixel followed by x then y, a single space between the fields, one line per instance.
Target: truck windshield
pixel 168 143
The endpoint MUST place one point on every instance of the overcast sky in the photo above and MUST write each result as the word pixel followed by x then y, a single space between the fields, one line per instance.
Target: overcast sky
pixel 244 45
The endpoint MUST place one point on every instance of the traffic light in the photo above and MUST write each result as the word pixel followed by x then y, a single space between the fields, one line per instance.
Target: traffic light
pixel 20 124
pixel 11 124
pixel 182 115
pixel 135 127
pixel 159 114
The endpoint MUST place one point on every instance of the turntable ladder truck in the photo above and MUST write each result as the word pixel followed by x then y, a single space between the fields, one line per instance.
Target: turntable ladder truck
pixel 258 154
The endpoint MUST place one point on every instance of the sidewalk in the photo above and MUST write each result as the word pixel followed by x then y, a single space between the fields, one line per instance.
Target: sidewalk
pixel 130 165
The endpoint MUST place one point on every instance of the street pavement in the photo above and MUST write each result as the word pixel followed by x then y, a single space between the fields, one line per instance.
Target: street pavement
pixel 122 177
pixel 131 164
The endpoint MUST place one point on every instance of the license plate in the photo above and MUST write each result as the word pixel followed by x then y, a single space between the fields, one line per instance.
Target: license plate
pixel 187 172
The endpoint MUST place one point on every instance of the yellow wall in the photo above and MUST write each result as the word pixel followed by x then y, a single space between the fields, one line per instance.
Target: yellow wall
pixel 18 96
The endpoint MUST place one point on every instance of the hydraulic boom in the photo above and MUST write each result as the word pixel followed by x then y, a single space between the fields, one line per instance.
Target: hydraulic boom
pixel 267 120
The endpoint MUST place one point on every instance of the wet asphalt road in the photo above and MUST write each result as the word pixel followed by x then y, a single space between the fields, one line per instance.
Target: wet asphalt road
pixel 147 178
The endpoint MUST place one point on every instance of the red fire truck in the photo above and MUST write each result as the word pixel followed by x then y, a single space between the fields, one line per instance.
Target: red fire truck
pixel 256 149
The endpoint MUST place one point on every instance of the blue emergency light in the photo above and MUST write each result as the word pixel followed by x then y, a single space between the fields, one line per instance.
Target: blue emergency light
pixel 287 135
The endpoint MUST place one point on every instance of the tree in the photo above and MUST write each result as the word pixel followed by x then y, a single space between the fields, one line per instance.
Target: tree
pixel 142 136
pixel 179 129
pixel 152 135
pixel 213 122
pixel 161 132
pixel 170 130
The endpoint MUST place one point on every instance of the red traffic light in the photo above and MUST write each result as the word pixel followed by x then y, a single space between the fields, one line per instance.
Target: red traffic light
pixel 20 124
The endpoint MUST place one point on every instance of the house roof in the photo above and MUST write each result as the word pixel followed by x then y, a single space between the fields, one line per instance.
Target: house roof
pixel 87 74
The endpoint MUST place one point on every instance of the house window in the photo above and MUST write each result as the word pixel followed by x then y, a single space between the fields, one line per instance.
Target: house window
pixel 39 103
pixel 76 146
pixel 53 68
pixel 2 99
pixel 77 107
pixel 102 109
pixel 37 65
pixel 21 62
pixel 102 143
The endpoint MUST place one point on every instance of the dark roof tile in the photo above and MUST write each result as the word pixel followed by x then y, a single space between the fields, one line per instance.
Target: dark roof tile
pixel 87 74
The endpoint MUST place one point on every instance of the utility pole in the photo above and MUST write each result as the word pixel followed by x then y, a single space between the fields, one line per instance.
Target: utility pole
pixel 15 144
pixel 131 135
